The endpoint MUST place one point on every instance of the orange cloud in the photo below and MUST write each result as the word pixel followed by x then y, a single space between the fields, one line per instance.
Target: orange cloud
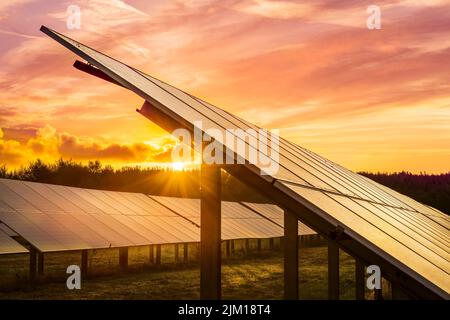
pixel 50 145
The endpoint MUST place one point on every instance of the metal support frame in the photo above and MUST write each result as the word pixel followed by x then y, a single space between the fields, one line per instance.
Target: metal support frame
pixel 186 252
pixel 232 247
pixel 210 232
pixel 247 246
pixel 94 71
pixel 32 269
pixel 151 254
pixel 290 256
pixel 259 245
pixel 378 293
pixel 158 254
pixel 271 243
pixel 177 253
pixel 360 275
pixel 123 258
pixel 84 263
pixel 333 270
pixel 40 257
pixel 227 248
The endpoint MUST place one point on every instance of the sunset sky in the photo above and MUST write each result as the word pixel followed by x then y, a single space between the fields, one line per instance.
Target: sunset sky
pixel 374 100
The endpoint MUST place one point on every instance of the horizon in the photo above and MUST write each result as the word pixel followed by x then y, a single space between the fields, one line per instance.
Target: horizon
pixel 370 100
pixel 170 167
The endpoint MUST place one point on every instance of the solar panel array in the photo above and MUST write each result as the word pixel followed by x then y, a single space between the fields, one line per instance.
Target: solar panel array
pixel 57 218
pixel 238 222
pixel 60 218
pixel 410 235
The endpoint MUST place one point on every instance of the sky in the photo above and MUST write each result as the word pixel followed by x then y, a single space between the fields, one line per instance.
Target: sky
pixel 370 100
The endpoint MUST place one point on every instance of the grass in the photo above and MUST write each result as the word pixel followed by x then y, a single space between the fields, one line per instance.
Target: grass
pixel 252 276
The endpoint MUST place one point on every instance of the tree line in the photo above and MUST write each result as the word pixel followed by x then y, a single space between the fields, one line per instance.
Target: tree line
pixel 430 189
pixel 433 190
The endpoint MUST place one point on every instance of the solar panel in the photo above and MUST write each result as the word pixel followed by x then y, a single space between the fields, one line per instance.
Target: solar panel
pixel 121 218
pixel 381 219
pixel 357 220
pixel 238 222
pixel 37 235
pixel 7 230
pixel 276 214
pixel 9 245
pixel 171 226
pixel 13 200
pixel 60 218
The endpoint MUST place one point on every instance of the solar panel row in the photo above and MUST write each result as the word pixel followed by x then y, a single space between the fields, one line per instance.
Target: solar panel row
pixel 411 236
pixel 238 222
pixel 58 218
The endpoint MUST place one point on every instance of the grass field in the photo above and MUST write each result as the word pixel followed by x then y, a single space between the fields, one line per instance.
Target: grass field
pixel 252 276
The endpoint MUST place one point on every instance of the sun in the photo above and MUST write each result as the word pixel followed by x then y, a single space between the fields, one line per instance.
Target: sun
pixel 177 166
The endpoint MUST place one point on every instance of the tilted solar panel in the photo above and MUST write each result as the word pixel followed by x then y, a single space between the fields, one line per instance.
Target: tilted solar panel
pixel 375 215
pixel 365 221
pixel 7 230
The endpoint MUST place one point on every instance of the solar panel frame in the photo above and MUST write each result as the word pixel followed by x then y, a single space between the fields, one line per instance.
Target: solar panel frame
pixel 276 215
pixel 5 229
pixel 9 245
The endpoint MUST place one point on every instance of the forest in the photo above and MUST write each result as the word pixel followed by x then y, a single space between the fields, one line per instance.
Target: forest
pixel 433 190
